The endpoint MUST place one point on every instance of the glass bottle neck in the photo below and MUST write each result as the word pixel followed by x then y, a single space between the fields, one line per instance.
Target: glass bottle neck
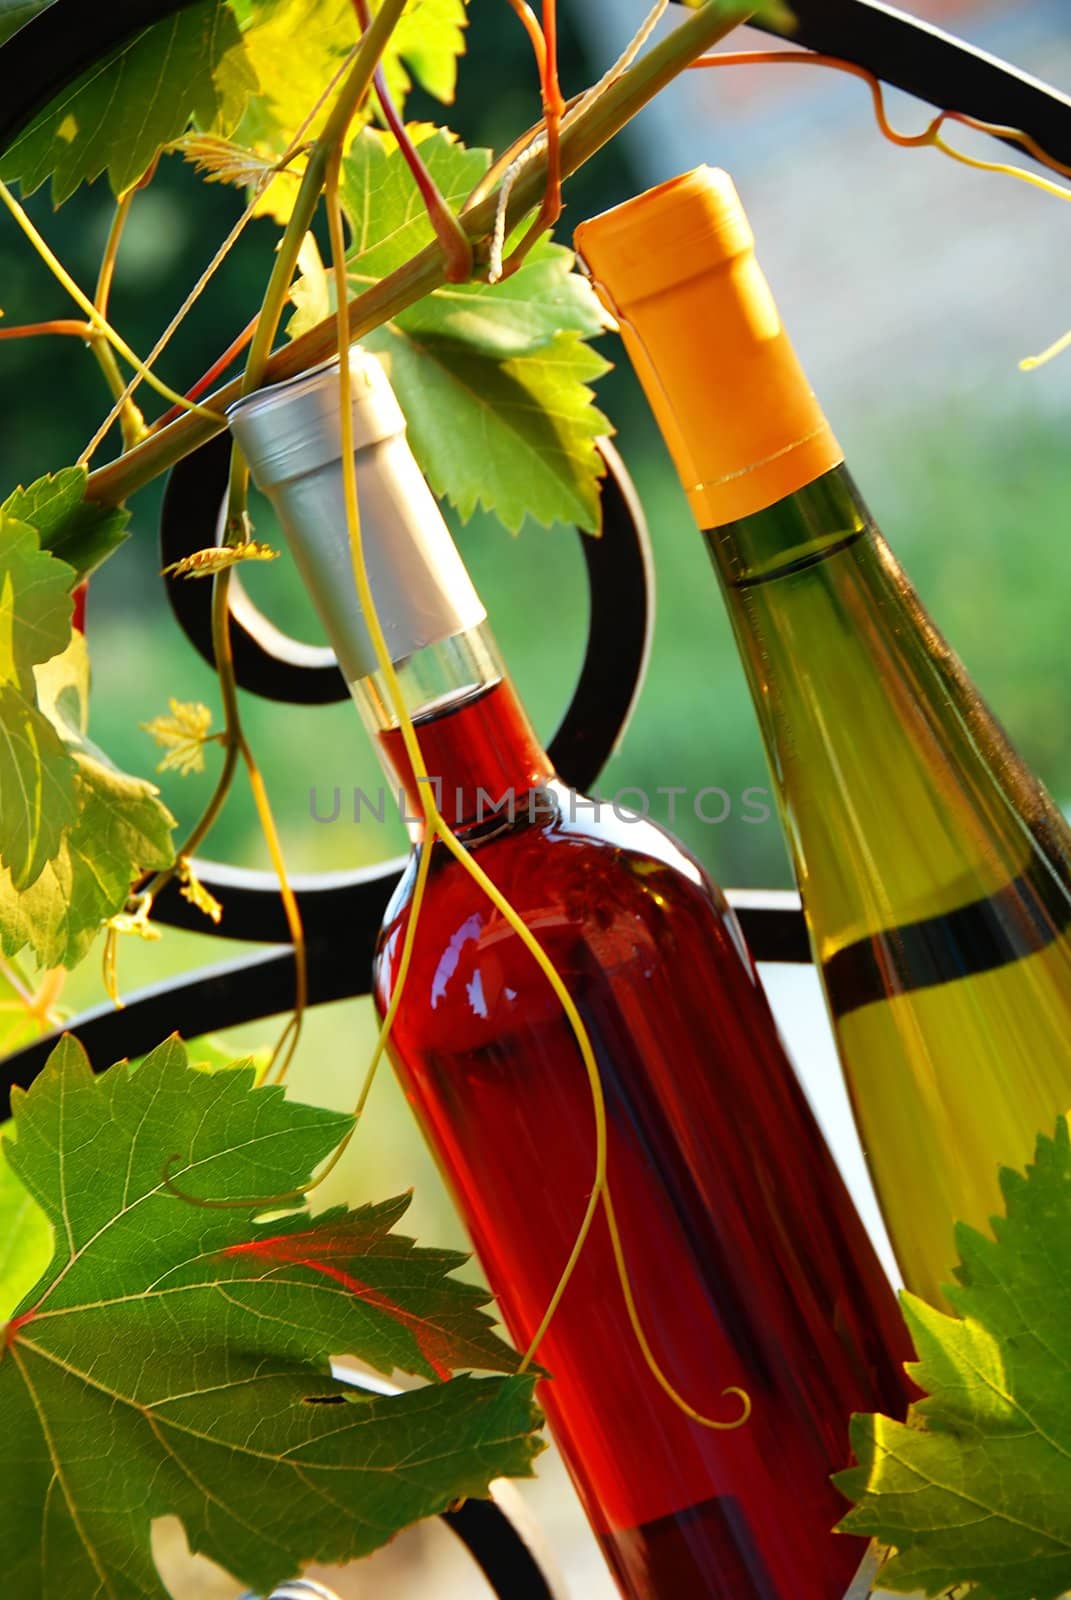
pixel 816 522
pixel 480 752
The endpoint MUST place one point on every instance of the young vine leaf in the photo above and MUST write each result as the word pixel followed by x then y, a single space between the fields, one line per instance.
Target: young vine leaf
pixel 124 109
pixel 426 47
pixel 119 828
pixel 494 380
pixel 976 1487
pixel 170 1358
pixel 192 889
pixel 182 736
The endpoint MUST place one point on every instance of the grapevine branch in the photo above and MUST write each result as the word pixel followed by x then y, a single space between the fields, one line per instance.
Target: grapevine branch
pixel 601 118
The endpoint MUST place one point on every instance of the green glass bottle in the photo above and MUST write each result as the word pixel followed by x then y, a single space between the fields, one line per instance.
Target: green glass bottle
pixel 935 871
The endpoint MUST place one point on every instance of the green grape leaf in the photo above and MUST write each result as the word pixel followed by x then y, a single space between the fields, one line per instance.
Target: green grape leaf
pixel 37 789
pixel 119 113
pixel 424 47
pixel 35 601
pixel 389 224
pixel 516 437
pixel 493 379
pixel 75 529
pixel 25 1234
pixel 37 801
pixel 976 1487
pixel 387 218
pixel 119 829
pixel 174 1357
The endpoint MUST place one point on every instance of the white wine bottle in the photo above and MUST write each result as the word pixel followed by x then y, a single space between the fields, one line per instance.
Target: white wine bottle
pixel 933 867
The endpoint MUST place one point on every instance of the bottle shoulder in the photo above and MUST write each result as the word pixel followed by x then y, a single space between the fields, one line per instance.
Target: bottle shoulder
pixel 592 883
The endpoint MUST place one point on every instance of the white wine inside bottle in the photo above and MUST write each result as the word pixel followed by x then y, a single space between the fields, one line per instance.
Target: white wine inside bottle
pixel 933 867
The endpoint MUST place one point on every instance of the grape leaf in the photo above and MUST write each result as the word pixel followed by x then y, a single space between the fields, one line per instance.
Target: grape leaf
pixel 493 379
pixel 35 601
pixel 976 1488
pixel 119 113
pixel 25 1236
pixel 75 529
pixel 517 437
pixel 37 800
pixel 174 1358
pixel 424 46
pixel 389 224
pixel 119 829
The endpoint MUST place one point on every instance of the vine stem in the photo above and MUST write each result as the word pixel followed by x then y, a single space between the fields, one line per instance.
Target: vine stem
pixel 64 325
pixel 354 89
pixel 598 122
pixel 535 33
pixel 131 421
pixel 218 367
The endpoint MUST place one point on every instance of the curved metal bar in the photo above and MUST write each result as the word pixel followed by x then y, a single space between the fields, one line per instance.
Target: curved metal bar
pixel 266 661
pixel 251 987
pixel 51 50
pixel 503 1549
pixel 935 66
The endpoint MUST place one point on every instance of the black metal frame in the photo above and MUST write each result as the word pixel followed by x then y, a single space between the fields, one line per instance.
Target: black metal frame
pixel 342 911
pixel 68 36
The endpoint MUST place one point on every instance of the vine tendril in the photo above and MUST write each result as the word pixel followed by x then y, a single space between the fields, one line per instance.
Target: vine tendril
pixel 96 318
pixel 929 137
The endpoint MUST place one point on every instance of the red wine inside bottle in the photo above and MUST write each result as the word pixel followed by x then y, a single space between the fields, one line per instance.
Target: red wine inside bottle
pixel 749 1265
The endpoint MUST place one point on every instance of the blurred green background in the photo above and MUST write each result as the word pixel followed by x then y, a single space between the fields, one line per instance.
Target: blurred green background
pixel 964 465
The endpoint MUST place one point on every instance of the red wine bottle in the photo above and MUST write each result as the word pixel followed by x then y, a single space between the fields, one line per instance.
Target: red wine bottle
pixel 751 1271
